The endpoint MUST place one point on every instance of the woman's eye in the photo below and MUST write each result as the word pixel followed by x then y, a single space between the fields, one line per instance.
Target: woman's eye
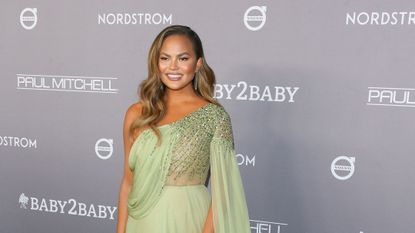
pixel 163 58
pixel 184 58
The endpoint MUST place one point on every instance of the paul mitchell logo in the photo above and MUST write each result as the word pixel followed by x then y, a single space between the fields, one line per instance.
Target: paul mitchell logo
pixel 255 17
pixel 259 226
pixel 71 207
pixel 391 96
pixel 66 83
pixel 342 167
pixel 28 18
pixel 243 91
pixel 104 148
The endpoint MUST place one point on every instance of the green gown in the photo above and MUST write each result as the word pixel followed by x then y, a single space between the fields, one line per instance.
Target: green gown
pixel 168 194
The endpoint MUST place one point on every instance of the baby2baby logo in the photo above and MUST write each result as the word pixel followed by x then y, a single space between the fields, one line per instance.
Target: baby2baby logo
pixel 70 206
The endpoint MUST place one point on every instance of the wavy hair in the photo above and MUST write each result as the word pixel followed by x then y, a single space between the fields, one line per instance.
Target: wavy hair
pixel 152 89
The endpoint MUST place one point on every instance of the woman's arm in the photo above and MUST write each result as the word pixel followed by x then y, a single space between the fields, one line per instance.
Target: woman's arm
pixel 229 207
pixel 125 187
pixel 208 227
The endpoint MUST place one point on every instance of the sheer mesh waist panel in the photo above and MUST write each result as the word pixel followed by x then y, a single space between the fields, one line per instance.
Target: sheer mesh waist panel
pixel 183 180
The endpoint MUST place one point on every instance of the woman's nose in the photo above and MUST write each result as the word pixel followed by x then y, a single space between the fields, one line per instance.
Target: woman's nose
pixel 173 64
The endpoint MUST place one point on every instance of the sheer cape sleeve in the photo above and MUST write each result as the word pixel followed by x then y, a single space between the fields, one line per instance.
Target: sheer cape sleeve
pixel 229 208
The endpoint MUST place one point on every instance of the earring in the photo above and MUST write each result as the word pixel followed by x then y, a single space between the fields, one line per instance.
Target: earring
pixel 161 86
pixel 195 82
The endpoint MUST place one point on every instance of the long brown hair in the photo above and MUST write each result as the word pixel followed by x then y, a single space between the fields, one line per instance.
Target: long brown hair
pixel 151 90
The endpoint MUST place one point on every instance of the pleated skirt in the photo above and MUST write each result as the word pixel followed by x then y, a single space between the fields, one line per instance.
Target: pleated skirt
pixel 180 209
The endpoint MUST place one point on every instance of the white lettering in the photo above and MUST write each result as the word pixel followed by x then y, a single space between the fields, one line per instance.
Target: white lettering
pixel 243 91
pixel 75 208
pixel 381 18
pixel 391 96
pixel 134 18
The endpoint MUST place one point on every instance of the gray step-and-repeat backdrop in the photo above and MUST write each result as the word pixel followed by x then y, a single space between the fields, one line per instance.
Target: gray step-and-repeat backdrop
pixel 321 95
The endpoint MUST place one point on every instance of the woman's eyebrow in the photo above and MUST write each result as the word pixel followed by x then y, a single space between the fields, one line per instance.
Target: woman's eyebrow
pixel 180 54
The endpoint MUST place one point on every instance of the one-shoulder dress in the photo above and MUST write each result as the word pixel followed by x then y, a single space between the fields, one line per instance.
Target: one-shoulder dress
pixel 168 193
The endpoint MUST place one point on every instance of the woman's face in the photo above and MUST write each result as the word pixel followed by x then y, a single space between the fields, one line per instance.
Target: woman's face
pixel 177 62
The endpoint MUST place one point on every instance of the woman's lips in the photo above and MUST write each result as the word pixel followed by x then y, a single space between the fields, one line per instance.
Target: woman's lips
pixel 174 77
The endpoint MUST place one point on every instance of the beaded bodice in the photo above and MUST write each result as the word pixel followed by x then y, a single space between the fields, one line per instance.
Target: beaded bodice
pixel 189 141
pixel 189 163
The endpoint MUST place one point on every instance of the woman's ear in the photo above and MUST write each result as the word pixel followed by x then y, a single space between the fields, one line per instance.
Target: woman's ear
pixel 199 64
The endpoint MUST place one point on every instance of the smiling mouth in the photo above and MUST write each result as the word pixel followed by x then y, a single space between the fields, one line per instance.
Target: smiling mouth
pixel 174 77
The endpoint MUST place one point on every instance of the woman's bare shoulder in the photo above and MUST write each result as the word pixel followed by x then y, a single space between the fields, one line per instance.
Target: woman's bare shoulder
pixel 133 111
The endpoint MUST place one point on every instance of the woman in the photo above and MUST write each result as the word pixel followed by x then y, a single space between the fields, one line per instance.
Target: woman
pixel 173 137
